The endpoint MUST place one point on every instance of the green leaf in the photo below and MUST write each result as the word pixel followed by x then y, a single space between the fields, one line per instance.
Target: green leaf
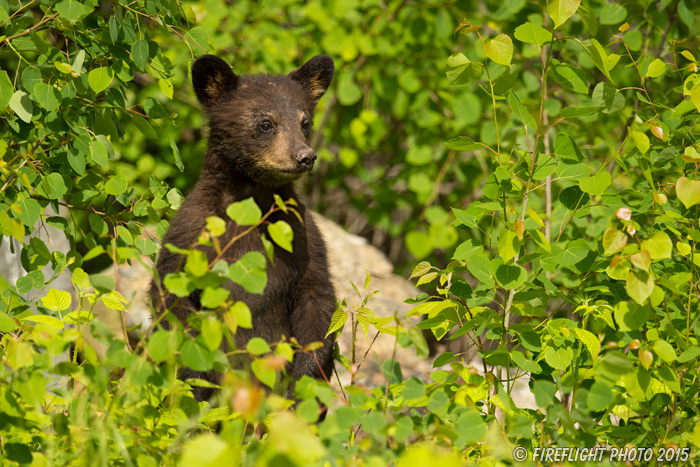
pixel 76 161
pixel 53 186
pixel 688 191
pixel 308 410
pixel 639 286
pixel 520 111
pixel 444 359
pixel 47 96
pixel 641 140
pixel 264 372
pixel 99 153
pixel 281 233
pixel 605 95
pixel 57 300
pixel 154 109
pixel 196 356
pixel 466 250
pixel 559 359
pixel 480 267
pixel 573 198
pixel 19 355
pixel 176 155
pixel 145 245
pixel 569 112
pixel 214 297
pixel 418 243
pixel 545 166
pixel 31 211
pixel 244 212
pixel 508 244
pixel 338 320
pixel 198 37
pixel 22 105
pixel 642 259
pixel 532 34
pixel 604 62
pixel 64 68
pixel 670 378
pixel 630 317
pixel 695 95
pixel 659 246
pixel 116 185
pixel 207 450
pixel 250 272
pixel 420 269
pixel 692 353
pixel 562 10
pixel 500 49
pixel 77 66
pixel 139 54
pixel 7 324
pixel 33 389
pixel 114 301
pixel 524 363
pixel 570 77
pixel 197 263
pixel 419 155
pixel 463 143
pixel 162 345
pixel 510 276
pixel 211 333
pixel 216 226
pixel 45 319
pixel 460 70
pixel 431 308
pixel 257 346
pixel 540 239
pixel 589 19
pixel 612 13
pixel 97 224
pixel 665 351
pixel 348 92
pixel 100 78
pixel 178 284
pixel 599 397
pixel 595 185
pixel 544 392
pixel 656 68
pixel 470 427
pixel 71 10
pixel 166 87
pixel 413 389
pixel 589 340
pixel 6 89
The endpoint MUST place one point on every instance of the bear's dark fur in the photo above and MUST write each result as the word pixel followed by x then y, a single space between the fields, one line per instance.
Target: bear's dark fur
pixel 258 145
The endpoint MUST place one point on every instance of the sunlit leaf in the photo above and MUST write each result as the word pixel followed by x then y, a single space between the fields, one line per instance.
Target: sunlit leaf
pixel 532 34
pixel 562 10
pixel 500 49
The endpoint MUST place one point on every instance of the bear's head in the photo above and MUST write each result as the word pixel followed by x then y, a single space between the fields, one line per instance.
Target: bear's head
pixel 261 124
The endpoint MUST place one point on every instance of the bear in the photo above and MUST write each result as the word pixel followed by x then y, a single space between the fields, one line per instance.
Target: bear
pixel 258 145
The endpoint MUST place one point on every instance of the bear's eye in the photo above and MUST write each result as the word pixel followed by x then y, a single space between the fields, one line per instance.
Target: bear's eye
pixel 266 126
pixel 306 125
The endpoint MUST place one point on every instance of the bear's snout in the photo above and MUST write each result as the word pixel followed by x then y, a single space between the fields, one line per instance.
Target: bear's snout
pixel 306 158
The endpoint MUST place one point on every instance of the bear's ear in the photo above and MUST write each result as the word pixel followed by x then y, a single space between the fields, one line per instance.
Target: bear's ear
pixel 212 79
pixel 315 76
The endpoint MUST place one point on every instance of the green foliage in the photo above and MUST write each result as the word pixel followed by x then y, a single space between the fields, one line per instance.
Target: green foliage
pixel 547 161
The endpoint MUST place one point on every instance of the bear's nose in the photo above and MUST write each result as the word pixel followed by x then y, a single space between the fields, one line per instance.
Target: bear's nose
pixel 306 158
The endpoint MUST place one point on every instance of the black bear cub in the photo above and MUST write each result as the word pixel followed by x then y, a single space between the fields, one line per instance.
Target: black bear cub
pixel 258 146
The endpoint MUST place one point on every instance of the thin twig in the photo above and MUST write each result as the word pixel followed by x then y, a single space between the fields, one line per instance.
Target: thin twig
pixel 8 39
